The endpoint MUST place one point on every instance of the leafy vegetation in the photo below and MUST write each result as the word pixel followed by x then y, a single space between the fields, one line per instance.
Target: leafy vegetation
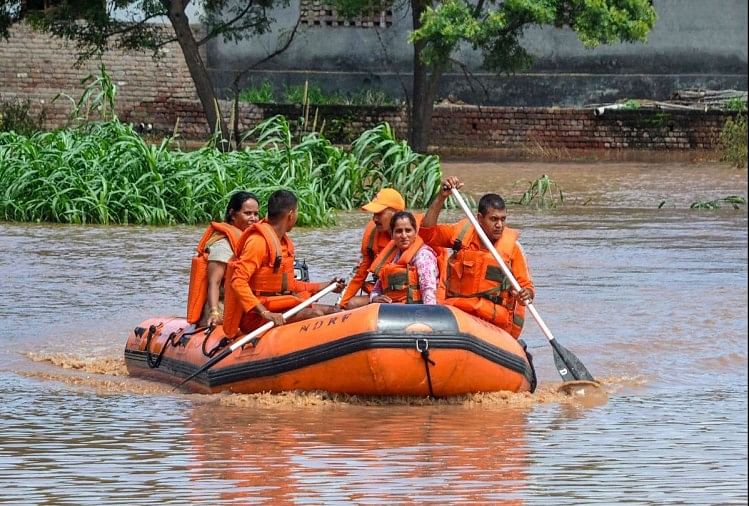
pixel 97 27
pixel 732 143
pixel 98 100
pixel 103 172
pixel 443 29
pixel 734 200
pixel 543 192
pixel 17 116
pixel 313 94
pixel 735 104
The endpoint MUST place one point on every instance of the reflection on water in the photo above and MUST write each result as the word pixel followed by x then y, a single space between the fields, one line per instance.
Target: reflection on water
pixel 653 301
pixel 347 453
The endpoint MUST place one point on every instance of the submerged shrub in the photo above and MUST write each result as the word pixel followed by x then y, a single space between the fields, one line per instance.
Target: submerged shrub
pixel 735 201
pixel 543 192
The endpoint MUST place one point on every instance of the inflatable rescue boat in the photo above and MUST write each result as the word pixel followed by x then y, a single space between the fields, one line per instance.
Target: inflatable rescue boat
pixel 378 350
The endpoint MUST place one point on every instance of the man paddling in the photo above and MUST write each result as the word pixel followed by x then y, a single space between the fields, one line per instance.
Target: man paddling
pixel 475 282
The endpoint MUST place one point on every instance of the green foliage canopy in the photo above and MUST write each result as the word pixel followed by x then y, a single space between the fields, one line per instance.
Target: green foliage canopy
pixel 98 26
pixel 496 28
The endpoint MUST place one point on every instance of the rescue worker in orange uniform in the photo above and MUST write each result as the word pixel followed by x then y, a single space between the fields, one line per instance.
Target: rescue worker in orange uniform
pixel 475 282
pixel 376 237
pixel 263 285
pixel 217 246
pixel 407 269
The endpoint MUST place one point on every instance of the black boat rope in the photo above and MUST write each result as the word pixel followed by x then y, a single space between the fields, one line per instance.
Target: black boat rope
pixel 153 363
pixel 427 361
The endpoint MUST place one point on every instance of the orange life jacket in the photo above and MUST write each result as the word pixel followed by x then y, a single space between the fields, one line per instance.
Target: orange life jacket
pixel 369 244
pixel 400 279
pixel 475 274
pixel 270 283
pixel 198 287
pixel 441 254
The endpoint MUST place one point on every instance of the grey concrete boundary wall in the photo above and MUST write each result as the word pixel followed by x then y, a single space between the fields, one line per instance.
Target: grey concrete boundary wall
pixel 37 68
pixel 694 44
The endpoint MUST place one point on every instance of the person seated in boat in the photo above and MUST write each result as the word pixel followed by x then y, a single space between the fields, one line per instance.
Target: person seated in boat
pixel 205 298
pixel 263 285
pixel 376 237
pixel 475 282
pixel 407 268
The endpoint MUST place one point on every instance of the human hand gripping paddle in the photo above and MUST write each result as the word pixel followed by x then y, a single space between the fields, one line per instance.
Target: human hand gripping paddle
pixel 260 330
pixel 569 366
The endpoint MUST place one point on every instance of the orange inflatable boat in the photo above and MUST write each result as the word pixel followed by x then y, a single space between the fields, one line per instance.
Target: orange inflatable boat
pixel 378 349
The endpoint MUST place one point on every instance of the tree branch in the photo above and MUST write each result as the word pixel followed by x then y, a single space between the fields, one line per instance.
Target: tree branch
pixel 164 43
pixel 470 77
pixel 275 53
pixel 222 28
pixel 131 27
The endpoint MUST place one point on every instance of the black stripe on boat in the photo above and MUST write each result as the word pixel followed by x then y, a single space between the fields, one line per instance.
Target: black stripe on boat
pixel 392 319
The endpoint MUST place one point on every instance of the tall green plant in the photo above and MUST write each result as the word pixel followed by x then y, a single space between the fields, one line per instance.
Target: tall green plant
pixel 103 172
pixel 98 100
pixel 732 144
pixel 543 192
pixel 393 163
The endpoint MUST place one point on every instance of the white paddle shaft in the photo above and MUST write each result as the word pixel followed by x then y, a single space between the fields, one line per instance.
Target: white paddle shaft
pixel 288 314
pixel 498 258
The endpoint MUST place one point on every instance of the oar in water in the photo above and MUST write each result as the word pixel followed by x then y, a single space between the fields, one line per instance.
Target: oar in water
pixel 569 366
pixel 257 332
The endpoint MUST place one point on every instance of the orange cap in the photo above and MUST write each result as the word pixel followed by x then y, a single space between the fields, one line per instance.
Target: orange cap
pixel 387 197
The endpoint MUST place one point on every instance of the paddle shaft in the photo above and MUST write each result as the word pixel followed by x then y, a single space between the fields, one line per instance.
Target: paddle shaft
pixel 488 244
pixel 288 314
pixel 258 331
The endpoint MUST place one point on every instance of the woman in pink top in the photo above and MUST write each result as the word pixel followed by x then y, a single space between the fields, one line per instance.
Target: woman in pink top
pixel 407 254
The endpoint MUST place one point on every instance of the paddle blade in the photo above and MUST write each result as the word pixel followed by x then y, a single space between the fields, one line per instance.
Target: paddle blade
pixel 569 366
pixel 215 360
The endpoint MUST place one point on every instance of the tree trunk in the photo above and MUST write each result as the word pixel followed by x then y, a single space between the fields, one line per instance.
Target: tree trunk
pixel 424 92
pixel 199 74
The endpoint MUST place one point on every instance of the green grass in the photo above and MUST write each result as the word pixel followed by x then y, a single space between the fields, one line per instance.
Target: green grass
pixel 312 94
pixel 103 172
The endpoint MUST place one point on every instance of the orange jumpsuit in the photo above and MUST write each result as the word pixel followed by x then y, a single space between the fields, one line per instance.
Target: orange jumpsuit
pixel 474 280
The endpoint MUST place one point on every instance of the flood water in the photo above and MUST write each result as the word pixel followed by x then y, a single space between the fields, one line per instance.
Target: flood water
pixel 652 299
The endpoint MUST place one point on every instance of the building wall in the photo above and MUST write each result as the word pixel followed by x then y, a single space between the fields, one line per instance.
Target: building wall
pixel 694 44
pixel 37 67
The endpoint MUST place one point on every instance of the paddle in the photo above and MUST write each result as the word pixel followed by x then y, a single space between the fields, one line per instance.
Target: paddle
pixel 254 335
pixel 569 366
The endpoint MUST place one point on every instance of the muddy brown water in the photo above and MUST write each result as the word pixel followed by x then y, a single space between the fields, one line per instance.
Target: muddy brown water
pixel 652 300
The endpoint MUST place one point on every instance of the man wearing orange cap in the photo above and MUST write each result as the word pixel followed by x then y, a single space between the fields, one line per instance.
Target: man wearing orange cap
pixel 376 236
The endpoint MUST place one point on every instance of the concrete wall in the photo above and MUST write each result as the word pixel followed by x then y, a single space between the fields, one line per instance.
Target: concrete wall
pixel 37 67
pixel 695 43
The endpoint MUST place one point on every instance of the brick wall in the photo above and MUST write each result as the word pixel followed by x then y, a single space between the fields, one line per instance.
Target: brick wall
pixel 576 128
pixel 38 67
pixel 161 92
